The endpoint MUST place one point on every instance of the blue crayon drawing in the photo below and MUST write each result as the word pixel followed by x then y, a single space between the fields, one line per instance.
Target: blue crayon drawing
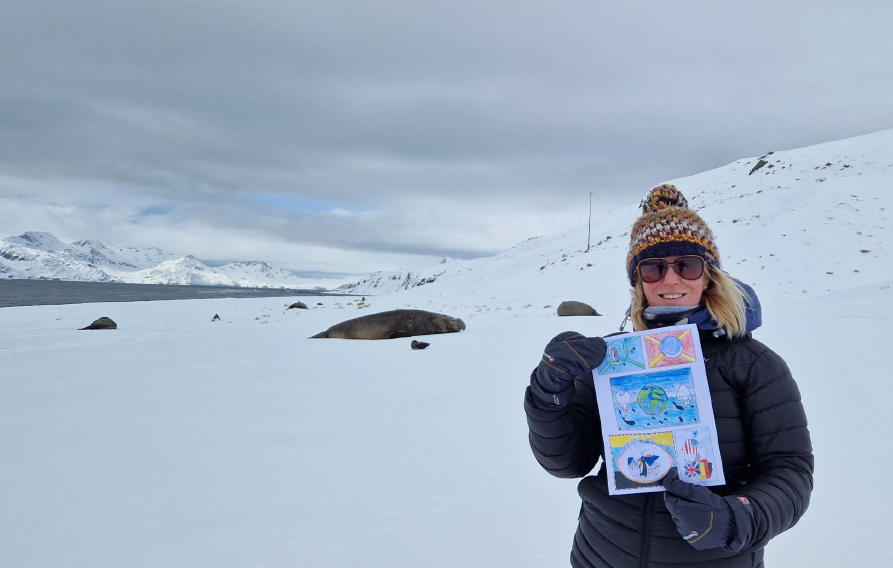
pixel 623 356
pixel 655 400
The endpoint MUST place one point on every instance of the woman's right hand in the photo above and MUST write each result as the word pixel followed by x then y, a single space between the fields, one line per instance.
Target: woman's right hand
pixel 567 356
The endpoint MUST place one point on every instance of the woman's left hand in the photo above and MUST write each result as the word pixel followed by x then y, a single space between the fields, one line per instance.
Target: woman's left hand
pixel 707 520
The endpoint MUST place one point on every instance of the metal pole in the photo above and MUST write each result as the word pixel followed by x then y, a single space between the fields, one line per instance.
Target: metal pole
pixel 589 234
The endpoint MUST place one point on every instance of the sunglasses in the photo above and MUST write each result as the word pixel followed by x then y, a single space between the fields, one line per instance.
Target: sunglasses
pixel 653 270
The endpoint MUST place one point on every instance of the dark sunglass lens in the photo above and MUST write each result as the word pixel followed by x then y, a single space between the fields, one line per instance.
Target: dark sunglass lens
pixel 652 271
pixel 689 267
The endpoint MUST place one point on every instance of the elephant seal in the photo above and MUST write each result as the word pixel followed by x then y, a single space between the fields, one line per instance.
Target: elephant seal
pixel 298 305
pixel 392 324
pixel 572 308
pixel 102 323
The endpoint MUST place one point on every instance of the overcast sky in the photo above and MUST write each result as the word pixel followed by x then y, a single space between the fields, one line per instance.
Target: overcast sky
pixel 347 136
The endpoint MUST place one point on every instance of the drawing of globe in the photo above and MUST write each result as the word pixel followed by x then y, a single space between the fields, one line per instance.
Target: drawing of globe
pixel 671 346
pixel 653 399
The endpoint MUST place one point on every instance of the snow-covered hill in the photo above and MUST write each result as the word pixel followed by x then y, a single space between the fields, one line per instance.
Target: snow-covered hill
pixel 254 274
pixel 808 222
pixel 36 255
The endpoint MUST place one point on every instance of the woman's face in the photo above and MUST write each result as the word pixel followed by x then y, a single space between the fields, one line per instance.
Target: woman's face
pixel 671 290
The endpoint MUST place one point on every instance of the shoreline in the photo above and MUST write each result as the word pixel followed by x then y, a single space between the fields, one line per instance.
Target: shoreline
pixel 42 292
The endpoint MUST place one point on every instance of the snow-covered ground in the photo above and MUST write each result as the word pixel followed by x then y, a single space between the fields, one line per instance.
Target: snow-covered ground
pixel 178 442
pixel 174 441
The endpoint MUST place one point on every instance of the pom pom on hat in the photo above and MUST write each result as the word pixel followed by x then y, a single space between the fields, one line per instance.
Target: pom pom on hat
pixel 661 197
pixel 668 227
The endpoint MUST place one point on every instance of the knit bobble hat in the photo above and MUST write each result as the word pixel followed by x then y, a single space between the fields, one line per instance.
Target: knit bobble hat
pixel 668 227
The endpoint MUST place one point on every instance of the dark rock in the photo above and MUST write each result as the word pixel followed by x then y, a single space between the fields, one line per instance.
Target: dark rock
pixel 759 165
pixel 298 305
pixel 418 344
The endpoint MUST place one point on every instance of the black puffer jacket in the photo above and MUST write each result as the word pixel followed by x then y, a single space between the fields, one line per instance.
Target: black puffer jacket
pixel 766 454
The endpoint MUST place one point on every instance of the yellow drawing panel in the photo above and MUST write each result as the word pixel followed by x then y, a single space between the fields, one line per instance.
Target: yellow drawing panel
pixel 663 438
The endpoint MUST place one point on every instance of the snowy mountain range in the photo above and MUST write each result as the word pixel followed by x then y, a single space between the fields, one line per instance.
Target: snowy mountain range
pixel 807 222
pixel 35 255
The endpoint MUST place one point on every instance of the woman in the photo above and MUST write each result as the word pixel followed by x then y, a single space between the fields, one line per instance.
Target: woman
pixel 674 268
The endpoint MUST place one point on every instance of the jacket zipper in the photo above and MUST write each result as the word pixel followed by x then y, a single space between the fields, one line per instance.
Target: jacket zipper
pixel 646 530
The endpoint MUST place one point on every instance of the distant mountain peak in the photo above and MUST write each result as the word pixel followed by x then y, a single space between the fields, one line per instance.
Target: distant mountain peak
pixel 38 235
pixel 40 240
pixel 40 255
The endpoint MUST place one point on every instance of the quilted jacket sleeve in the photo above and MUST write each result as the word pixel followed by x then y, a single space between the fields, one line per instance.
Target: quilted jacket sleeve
pixel 779 480
pixel 566 440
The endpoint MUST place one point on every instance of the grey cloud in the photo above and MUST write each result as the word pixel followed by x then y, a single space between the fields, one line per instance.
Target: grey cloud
pixel 377 105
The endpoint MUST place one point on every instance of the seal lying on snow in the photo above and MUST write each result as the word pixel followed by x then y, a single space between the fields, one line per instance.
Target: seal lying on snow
pixel 572 308
pixel 101 323
pixel 395 323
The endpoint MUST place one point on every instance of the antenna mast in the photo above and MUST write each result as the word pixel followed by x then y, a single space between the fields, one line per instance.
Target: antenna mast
pixel 589 238
pixel 589 234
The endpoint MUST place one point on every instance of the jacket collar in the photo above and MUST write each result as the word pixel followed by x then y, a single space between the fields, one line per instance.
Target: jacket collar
pixel 706 323
pixel 753 314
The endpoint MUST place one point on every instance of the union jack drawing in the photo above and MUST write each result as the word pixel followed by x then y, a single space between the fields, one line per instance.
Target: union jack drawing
pixel 699 469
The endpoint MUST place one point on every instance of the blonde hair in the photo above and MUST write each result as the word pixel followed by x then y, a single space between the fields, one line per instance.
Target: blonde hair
pixel 724 298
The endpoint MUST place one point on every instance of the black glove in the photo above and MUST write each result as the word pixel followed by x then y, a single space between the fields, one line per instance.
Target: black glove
pixel 569 355
pixel 707 520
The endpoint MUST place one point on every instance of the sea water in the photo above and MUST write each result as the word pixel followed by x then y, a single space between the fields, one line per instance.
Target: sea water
pixel 55 292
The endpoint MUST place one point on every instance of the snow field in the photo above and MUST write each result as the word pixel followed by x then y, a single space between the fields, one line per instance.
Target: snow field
pixel 174 441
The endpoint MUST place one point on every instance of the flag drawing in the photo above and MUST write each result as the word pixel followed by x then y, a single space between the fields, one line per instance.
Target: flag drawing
pixel 697 460
pixel 698 469
pixel 690 447
pixel 670 348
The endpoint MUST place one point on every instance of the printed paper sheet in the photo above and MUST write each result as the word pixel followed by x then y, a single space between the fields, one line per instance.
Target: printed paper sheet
pixel 656 411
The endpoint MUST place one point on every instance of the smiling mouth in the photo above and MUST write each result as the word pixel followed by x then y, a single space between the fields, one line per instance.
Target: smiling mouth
pixel 671 296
